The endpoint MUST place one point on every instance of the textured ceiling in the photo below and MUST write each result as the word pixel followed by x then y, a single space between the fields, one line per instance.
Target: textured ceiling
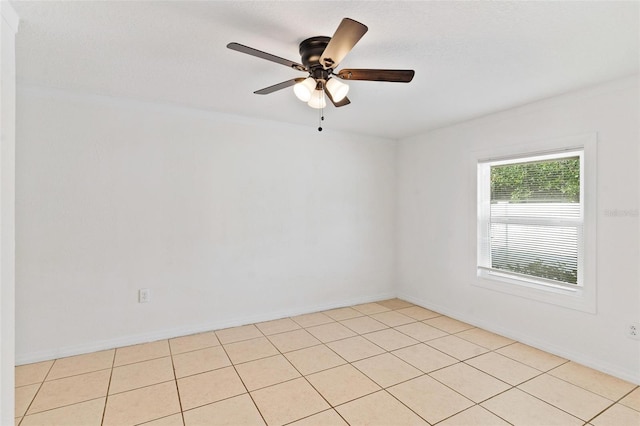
pixel 470 58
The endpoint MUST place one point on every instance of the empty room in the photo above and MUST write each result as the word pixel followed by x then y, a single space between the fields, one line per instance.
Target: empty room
pixel 320 213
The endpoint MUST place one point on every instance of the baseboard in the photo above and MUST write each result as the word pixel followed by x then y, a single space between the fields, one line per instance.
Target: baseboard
pixel 596 364
pixel 135 339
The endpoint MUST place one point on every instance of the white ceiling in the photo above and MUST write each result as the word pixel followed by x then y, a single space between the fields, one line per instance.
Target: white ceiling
pixel 470 58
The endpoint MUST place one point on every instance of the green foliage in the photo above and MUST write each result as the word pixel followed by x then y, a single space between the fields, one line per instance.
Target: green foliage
pixel 558 271
pixel 541 181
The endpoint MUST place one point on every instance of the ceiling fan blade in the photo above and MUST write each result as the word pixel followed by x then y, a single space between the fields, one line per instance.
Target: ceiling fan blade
pixel 343 102
pixel 398 76
pixel 349 32
pixel 278 86
pixel 264 55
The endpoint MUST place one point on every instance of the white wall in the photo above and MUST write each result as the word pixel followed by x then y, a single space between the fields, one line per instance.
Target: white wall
pixel 8 28
pixel 436 225
pixel 226 220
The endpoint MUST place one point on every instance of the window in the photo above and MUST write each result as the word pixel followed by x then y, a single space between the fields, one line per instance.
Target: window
pixel 531 226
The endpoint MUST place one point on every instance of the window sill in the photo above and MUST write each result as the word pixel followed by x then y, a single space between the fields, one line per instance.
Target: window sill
pixel 571 298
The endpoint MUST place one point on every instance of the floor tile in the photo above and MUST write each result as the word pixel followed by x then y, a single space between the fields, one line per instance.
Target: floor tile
pixel 140 374
pixel 248 350
pixel 395 304
pixel 193 342
pixel 314 359
pixel 432 400
pixel 447 324
pixel 370 308
pixel 363 325
pixel 421 332
pixel 266 372
pixel 390 339
pixel 172 420
pixel 387 370
pixel 470 382
pixel 341 384
pixel 142 352
pixel 277 326
pixel 88 413
pixel 239 410
pixel 503 368
pixel 570 398
pixel 288 401
pixel 632 400
pixel 142 405
pixel 212 386
pixel 520 408
pixel 342 313
pixel 71 390
pixel 485 338
pixel 23 397
pixel 325 418
pixel 237 334
pixel 418 313
pixel 379 409
pixel 392 318
pixel 330 332
pixel 532 357
pixel 30 374
pixel 474 416
pixel 311 320
pixel 355 348
pixel 425 357
pixel 195 362
pixel 604 385
pixel 457 347
pixel 80 364
pixel 293 340
pixel 405 363
pixel 618 415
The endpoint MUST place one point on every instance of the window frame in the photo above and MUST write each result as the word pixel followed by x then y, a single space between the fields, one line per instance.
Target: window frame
pixel 580 297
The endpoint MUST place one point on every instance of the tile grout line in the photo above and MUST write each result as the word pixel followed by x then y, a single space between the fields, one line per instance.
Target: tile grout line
pixel 475 405
pixel 240 377
pixel 612 404
pixel 175 379
pixel 26 411
pixel 382 389
pixel 106 398
pixel 331 407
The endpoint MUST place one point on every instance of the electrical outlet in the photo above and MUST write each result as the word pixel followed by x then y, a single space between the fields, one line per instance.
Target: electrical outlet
pixel 144 295
pixel 633 330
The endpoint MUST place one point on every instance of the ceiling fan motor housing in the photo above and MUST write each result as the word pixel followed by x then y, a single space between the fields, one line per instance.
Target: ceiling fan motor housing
pixel 311 50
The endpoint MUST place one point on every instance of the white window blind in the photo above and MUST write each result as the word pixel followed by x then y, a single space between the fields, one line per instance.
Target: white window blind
pixel 531 218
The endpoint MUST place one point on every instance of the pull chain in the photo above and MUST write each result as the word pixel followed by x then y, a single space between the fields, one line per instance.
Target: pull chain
pixel 321 110
pixel 320 118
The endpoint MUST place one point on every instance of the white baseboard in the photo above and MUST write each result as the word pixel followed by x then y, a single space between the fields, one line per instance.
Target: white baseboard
pixel 581 358
pixel 135 339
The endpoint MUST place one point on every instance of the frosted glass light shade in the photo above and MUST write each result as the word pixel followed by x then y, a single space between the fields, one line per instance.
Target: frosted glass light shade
pixel 304 89
pixel 317 100
pixel 337 89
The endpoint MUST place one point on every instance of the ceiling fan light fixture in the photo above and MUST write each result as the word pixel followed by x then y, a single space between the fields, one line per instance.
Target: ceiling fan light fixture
pixel 337 89
pixel 305 89
pixel 317 100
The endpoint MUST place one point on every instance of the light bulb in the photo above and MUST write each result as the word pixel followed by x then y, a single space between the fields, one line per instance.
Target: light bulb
pixel 317 100
pixel 337 89
pixel 304 89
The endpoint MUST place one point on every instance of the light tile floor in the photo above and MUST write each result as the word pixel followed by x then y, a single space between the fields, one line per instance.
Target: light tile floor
pixel 385 363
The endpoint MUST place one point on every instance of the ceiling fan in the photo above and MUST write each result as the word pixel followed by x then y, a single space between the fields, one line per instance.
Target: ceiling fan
pixel 320 56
